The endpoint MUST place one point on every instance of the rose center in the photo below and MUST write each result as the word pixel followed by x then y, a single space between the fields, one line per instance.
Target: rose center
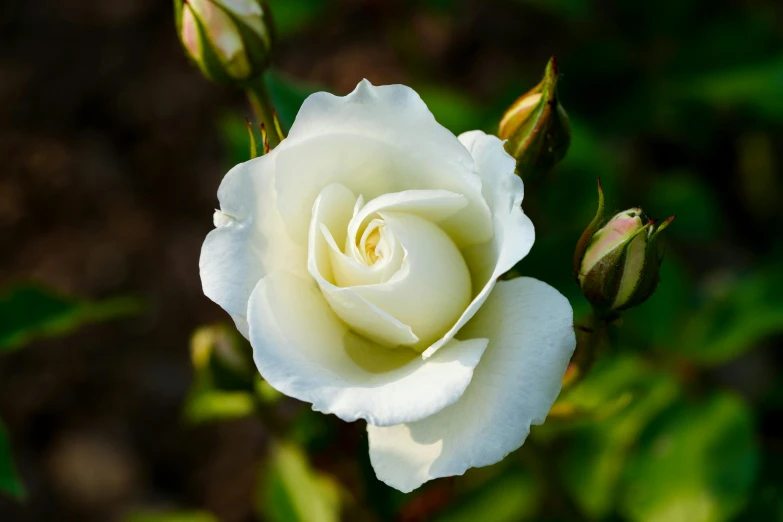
pixel 373 244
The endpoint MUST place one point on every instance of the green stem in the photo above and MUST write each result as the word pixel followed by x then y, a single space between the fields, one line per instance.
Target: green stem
pixel 259 98
pixel 589 341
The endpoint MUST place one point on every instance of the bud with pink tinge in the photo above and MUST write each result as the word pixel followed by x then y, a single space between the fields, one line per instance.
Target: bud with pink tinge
pixel 617 265
pixel 229 40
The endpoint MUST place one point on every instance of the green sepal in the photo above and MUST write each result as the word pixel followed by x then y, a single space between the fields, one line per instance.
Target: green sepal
pixel 589 232
pixel 252 135
pixel 258 47
pixel 650 278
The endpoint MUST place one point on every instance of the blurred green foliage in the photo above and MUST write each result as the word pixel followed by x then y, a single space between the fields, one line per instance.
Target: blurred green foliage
pixel 509 497
pixel 291 491
pixel 225 381
pixel 697 461
pixel 183 516
pixel 9 480
pixel 29 311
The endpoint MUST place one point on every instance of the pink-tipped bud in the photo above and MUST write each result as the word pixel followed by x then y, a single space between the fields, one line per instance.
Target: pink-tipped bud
pixel 229 40
pixel 617 265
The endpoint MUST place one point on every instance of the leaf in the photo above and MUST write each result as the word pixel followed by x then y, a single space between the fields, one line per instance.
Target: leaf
pixel 623 394
pixel 28 312
pixel 214 405
pixel 9 479
pixel 511 497
pixel 291 491
pixel 179 516
pixel 696 463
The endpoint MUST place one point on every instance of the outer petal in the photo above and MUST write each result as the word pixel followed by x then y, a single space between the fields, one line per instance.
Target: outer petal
pixel 530 327
pixel 514 233
pixel 303 350
pixel 249 239
pixel 374 141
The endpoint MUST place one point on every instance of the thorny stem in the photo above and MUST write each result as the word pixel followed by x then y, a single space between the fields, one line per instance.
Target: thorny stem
pixel 259 98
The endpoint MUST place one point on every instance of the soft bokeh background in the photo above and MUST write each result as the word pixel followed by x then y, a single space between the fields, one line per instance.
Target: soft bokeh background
pixel 112 149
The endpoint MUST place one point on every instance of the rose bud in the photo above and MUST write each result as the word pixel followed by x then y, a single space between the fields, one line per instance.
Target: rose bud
pixel 617 265
pixel 229 40
pixel 536 127
pixel 220 352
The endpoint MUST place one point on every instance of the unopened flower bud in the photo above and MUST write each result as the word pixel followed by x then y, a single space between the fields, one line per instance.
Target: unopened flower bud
pixel 536 127
pixel 617 265
pixel 219 352
pixel 229 40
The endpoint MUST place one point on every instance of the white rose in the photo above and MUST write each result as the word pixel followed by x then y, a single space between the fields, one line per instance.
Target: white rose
pixel 360 258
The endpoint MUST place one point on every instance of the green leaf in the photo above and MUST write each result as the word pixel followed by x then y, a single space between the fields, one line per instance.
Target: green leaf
pixel 511 497
pixel 214 405
pixel 179 516
pixel 624 394
pixel 9 479
pixel 28 312
pixel 291 491
pixel 697 462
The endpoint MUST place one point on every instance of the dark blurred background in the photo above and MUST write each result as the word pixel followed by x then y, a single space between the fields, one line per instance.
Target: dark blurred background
pixel 112 149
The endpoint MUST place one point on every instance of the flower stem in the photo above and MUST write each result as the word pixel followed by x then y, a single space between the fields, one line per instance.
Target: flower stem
pixel 259 98
pixel 588 343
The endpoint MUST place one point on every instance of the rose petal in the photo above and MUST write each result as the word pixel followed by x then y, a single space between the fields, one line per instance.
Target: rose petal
pixel 433 286
pixel 436 206
pixel 514 233
pixel 302 349
pixel 374 141
pixel 333 209
pixel 249 240
pixel 530 327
